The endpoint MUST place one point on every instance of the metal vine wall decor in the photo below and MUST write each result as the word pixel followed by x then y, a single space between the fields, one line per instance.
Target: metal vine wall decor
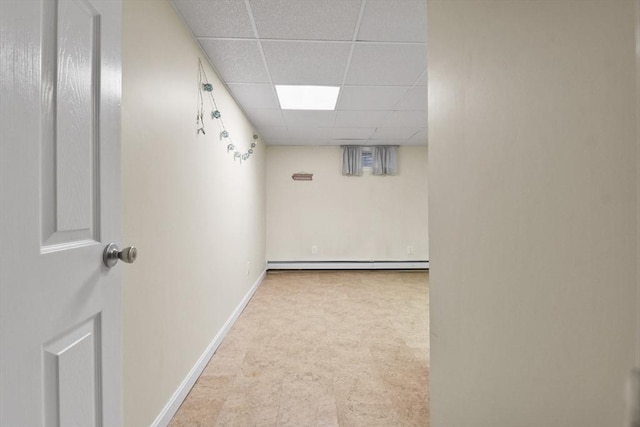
pixel 205 90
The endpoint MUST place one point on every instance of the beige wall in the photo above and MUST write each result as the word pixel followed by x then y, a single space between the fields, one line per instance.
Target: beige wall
pixel 533 179
pixel 196 216
pixel 637 16
pixel 349 218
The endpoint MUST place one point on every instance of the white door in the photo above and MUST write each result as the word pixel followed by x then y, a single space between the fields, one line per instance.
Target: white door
pixel 59 207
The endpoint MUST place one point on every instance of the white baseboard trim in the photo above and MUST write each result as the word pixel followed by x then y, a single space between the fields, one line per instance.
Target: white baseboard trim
pixel 347 265
pixel 172 406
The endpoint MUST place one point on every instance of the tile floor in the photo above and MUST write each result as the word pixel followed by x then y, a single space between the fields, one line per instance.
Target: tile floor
pixel 332 348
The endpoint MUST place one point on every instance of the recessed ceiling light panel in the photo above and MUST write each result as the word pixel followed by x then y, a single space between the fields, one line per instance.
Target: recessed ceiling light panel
pixel 307 97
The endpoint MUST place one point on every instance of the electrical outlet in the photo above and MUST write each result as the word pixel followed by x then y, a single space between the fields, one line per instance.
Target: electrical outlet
pixel 248 267
pixel 409 250
pixel 314 250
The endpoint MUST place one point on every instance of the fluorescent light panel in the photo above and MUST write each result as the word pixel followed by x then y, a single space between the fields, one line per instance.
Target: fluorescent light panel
pixel 307 97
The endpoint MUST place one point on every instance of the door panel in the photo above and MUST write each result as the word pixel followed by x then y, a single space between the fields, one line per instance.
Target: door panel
pixel 60 363
pixel 70 78
pixel 72 377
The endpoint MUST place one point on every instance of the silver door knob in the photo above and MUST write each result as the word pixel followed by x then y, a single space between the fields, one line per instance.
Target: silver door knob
pixel 112 254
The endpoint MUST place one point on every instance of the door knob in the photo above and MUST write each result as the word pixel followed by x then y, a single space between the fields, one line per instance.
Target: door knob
pixel 112 254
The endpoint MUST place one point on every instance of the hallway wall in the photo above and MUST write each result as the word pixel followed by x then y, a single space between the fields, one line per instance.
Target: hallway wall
pixel 195 214
pixel 533 211
pixel 348 218
pixel 637 20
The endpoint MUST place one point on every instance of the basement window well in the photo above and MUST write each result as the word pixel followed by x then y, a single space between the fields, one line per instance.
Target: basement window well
pixel 307 97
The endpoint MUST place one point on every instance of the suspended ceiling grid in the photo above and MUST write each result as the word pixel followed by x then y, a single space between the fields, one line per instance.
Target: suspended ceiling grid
pixel 375 50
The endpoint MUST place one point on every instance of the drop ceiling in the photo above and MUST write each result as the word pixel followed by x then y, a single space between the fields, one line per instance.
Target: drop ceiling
pixel 375 50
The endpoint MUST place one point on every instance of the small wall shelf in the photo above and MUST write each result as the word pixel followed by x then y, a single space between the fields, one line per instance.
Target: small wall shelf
pixel 302 176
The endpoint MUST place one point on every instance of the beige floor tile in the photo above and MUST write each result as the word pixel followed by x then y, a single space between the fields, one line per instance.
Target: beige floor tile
pixel 321 348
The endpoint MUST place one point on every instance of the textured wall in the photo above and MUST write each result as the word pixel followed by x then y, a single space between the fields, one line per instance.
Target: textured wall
pixel 196 216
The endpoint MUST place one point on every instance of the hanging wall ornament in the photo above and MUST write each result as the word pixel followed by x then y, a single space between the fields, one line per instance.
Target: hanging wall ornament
pixel 205 90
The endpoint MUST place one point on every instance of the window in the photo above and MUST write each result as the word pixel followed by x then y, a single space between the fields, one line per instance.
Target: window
pixel 377 160
pixel 367 158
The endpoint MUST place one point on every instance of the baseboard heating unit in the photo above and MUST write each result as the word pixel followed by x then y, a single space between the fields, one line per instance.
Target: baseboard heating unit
pixel 348 265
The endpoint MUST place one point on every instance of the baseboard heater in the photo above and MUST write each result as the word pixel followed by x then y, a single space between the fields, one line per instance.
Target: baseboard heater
pixel 348 265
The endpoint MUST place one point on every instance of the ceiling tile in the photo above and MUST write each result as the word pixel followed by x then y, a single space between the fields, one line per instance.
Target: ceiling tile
pixel 253 96
pixel 279 141
pixel 402 21
pixel 372 142
pixel 306 20
pixel 265 118
pixel 386 64
pixel 352 133
pixel 273 133
pixel 395 133
pixel 370 97
pixel 297 118
pixel 303 142
pixel 237 61
pixel 306 62
pixel 414 99
pixel 419 138
pixel 409 119
pixel 359 118
pixel 310 132
pixel 350 141
pixel 310 42
pixel 216 18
